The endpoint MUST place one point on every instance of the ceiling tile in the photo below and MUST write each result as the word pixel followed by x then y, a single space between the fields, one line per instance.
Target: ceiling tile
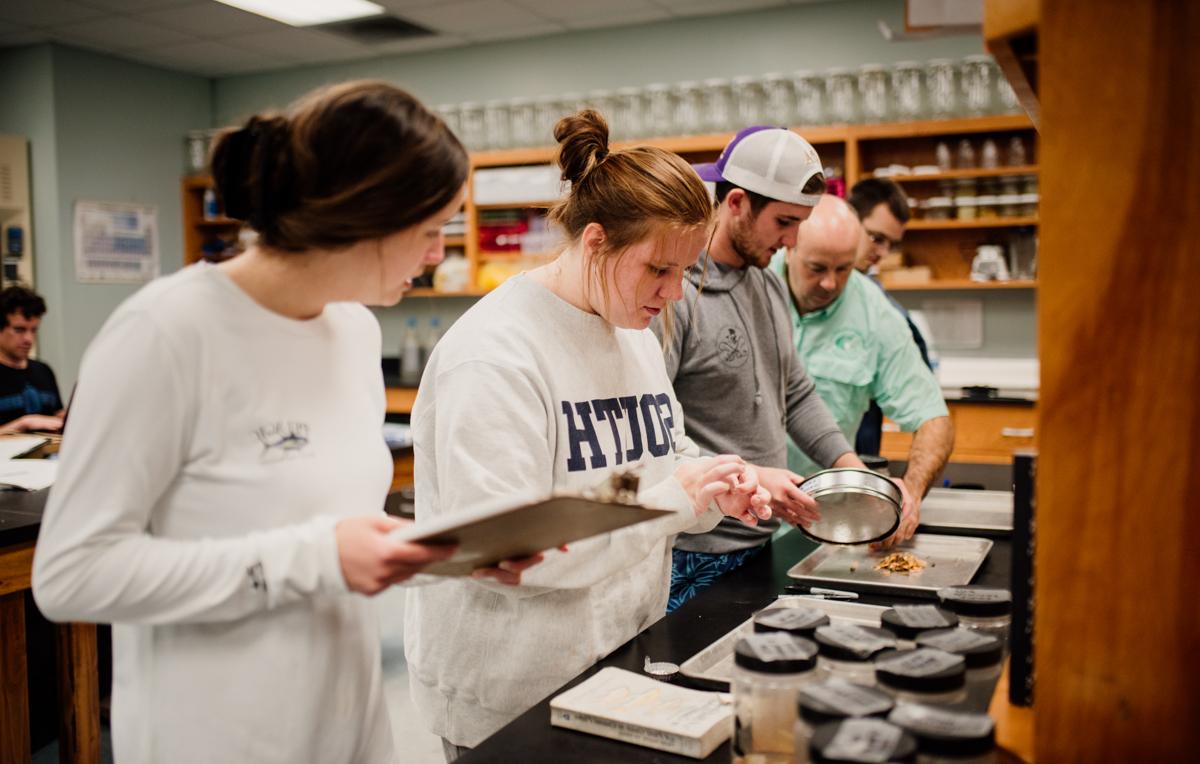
pixel 45 13
pixel 211 19
pixel 684 8
pixel 27 37
pixel 296 44
pixel 132 6
pixel 118 33
pixel 418 44
pixel 569 10
pixel 207 57
pixel 644 16
pixel 539 29
pixel 396 6
pixel 473 16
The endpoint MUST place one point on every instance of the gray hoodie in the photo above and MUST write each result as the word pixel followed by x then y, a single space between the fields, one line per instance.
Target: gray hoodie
pixel 741 385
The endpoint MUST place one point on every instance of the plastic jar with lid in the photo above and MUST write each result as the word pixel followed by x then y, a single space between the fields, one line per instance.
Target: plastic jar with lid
pixel 947 737
pixel 980 608
pixel 966 208
pixel 798 621
pixel 938 208
pixel 859 741
pixel 907 621
pixel 768 672
pixel 925 675
pixel 846 651
pixel 832 701
pixel 984 657
pixel 988 206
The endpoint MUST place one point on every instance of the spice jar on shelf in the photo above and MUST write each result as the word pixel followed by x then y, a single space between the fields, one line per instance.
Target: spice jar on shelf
pixel 938 208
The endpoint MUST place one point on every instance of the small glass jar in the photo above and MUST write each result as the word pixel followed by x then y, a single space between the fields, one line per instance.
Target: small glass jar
pixel 449 113
pixel 860 741
pixel 843 96
pixel 1028 205
pixel 908 90
pixel 988 206
pixel 799 621
pixel 938 208
pixel 660 110
pixel 688 108
pixel 977 85
pixel 749 101
pixel 603 101
pixel 965 208
pixel 768 672
pixel 846 651
pixel 833 700
pixel 924 675
pixel 545 117
pixel 777 99
pixel 907 621
pixel 521 118
pixel 980 608
pixel 474 133
pixel 1009 205
pixel 984 656
pixel 1006 98
pixel 629 114
pixel 947 737
pixel 1029 184
pixel 196 150
pixel 717 109
pixel 811 98
pixel 497 133
pixel 873 92
pixel 966 155
pixel 941 87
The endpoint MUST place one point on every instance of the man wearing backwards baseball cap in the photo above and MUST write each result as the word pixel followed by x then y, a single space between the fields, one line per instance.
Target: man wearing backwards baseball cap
pixel 731 356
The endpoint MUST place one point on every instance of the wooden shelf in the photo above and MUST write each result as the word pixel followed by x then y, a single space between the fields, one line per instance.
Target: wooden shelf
pixel 992 172
pixel 542 204
pixel 951 284
pixel 455 241
pixel 966 225
pixel 430 292
pixel 218 222
pixel 939 127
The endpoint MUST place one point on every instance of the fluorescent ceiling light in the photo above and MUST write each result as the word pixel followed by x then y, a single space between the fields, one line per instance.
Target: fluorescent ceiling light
pixel 306 13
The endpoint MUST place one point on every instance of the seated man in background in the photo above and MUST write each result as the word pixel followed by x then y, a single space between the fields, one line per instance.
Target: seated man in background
pixel 29 398
pixel 856 346
pixel 883 209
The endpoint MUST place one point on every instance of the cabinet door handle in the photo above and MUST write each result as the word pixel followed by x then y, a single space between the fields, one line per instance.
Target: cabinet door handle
pixel 1016 432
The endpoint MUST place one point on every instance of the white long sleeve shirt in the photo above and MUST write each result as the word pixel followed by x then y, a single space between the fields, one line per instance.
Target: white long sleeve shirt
pixel 525 395
pixel 211 447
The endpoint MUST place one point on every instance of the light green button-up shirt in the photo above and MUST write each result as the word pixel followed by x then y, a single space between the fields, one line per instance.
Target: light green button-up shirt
pixel 856 349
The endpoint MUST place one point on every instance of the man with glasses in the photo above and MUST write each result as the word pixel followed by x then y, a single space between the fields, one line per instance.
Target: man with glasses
pixel 856 347
pixel 883 209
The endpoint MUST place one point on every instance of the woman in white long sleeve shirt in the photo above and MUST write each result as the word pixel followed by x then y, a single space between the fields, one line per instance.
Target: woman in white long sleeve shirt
pixel 223 477
pixel 553 381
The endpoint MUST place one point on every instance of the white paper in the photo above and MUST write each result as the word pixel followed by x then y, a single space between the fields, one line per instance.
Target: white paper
pixel 956 324
pixel 30 474
pixel 116 242
pixel 19 444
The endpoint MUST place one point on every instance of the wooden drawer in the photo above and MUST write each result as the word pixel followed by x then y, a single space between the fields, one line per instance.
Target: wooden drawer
pixel 984 433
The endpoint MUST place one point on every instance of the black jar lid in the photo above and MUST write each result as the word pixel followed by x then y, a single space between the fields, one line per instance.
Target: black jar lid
pixel 857 741
pixel 836 699
pixel 852 642
pixel 797 621
pixel 775 652
pixel 978 650
pixel 925 669
pixel 946 733
pixel 907 621
pixel 976 601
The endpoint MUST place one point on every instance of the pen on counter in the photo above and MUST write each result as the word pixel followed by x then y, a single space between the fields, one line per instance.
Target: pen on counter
pixel 817 591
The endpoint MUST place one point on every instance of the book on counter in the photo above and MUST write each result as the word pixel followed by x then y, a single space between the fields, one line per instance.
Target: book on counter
pixel 633 708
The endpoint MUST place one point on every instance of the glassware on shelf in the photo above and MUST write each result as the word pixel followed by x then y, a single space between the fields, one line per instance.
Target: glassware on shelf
pixel 473 130
pixel 1017 157
pixel 1023 255
pixel 717 113
pixel 966 155
pixel 777 99
pixel 1006 97
pixel 908 90
pixel 629 113
pixel 978 85
pixel 989 155
pixel 660 109
pixel 522 122
pixel 496 126
pixel 688 108
pixel 941 87
pixel 545 117
pixel 942 152
pixel 749 101
pixel 603 101
pixel 810 98
pixel 873 92
pixel 449 113
pixel 843 96
pixel 572 103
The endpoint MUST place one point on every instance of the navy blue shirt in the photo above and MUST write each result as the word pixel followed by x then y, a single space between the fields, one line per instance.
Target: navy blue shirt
pixel 32 390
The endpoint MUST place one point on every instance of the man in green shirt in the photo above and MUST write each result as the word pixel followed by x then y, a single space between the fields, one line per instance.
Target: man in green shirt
pixel 857 347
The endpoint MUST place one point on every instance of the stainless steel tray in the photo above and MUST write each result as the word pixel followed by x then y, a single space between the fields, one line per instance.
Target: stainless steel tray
pixel 712 667
pixel 952 561
pixel 957 509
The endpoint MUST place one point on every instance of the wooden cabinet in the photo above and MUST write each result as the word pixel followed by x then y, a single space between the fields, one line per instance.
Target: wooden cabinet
pixel 201 234
pixel 984 432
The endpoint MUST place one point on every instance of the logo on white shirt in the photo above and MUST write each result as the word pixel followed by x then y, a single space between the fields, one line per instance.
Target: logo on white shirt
pixel 282 440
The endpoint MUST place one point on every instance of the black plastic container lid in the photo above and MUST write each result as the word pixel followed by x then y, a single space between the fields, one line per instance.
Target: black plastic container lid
pixel 907 621
pixel 978 650
pixel 925 669
pixel 836 699
pixel 775 652
pixel 946 733
pixel 851 642
pixel 976 601
pixel 862 741
pixel 797 621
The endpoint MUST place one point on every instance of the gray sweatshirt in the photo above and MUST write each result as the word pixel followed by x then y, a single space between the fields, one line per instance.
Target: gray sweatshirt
pixel 741 384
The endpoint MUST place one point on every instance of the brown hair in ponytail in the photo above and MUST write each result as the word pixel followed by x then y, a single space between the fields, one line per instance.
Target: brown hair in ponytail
pixel 348 162
pixel 632 193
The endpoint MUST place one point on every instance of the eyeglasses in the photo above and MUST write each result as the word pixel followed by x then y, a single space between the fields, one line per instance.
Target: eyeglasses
pixel 880 239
